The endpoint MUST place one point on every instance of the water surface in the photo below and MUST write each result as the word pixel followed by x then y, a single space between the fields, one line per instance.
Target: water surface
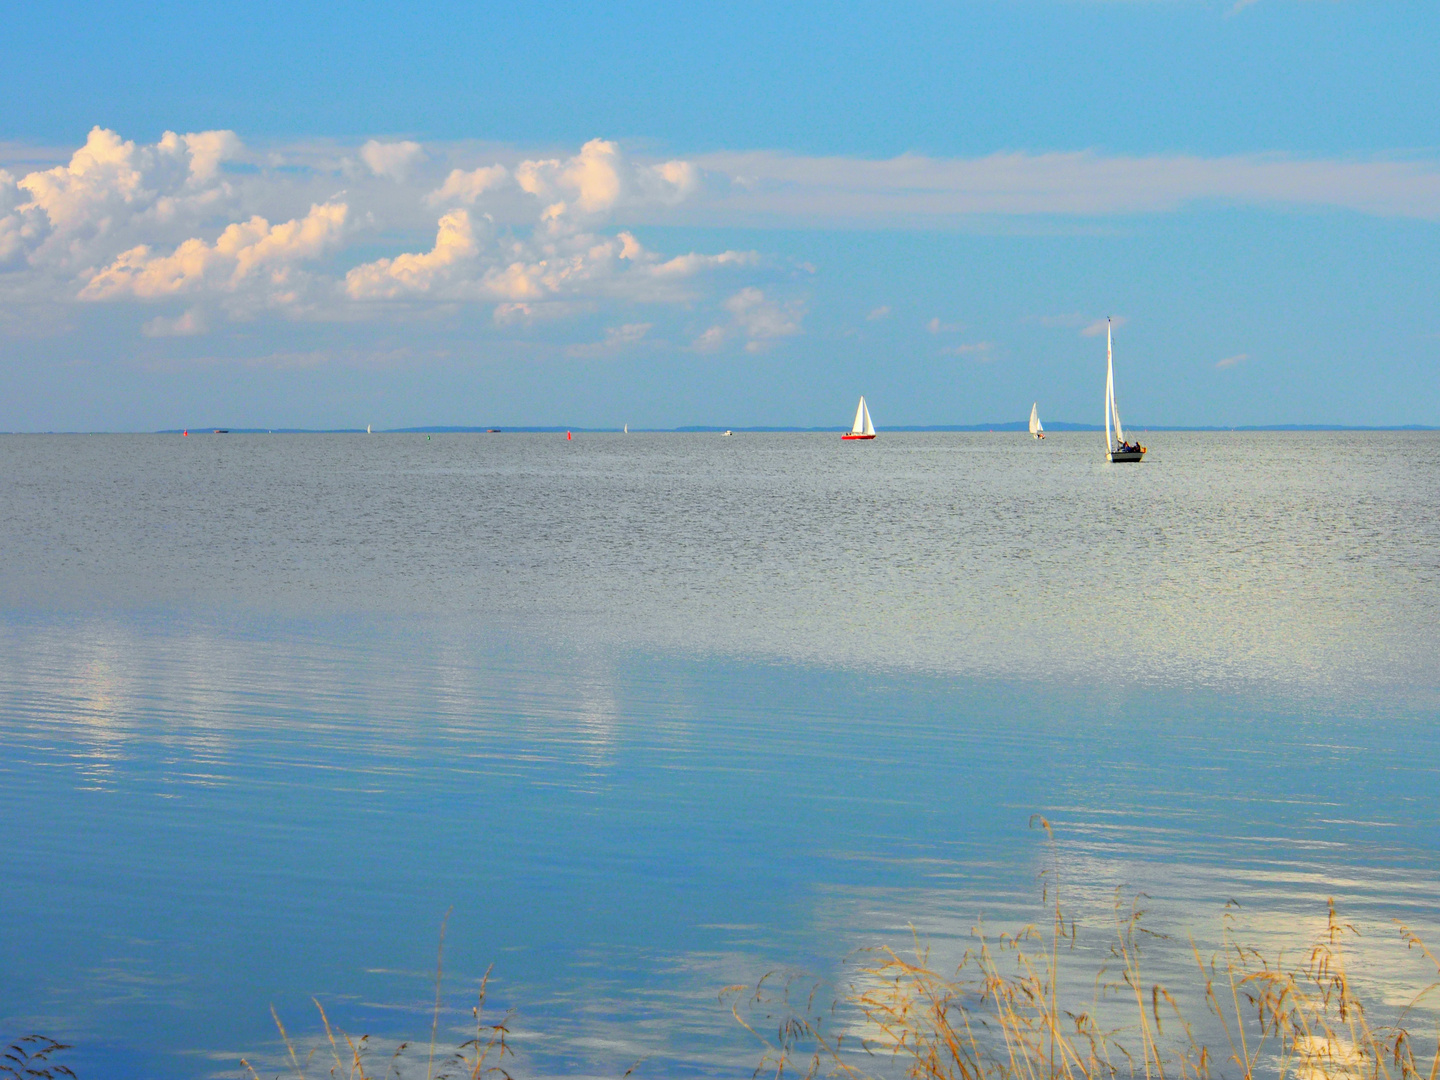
pixel 655 714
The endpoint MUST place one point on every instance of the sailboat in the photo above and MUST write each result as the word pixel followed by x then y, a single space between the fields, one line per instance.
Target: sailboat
pixel 862 428
pixel 367 429
pixel 1116 448
pixel 627 429
pixel 1036 428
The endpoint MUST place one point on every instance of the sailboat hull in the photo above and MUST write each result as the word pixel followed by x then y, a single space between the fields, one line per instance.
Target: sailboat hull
pixel 854 435
pixel 1126 455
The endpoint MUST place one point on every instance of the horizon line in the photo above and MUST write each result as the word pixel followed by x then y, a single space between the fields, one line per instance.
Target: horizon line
pixel 1006 427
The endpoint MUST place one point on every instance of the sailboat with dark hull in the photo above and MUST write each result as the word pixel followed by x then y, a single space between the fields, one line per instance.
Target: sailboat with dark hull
pixel 1116 447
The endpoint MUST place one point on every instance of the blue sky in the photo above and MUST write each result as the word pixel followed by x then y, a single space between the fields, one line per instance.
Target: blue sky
pixel 333 215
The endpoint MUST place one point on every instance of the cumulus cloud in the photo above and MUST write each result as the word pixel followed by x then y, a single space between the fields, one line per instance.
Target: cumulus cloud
pixel 207 150
pixel 467 187
pixel 126 221
pixel 57 220
pixel 669 182
pixel 185 325
pixel 598 179
pixel 242 250
pixel 763 320
pixel 551 267
pixel 387 279
pixel 391 160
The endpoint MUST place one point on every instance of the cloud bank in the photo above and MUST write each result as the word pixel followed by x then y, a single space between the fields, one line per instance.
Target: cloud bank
pixel 534 238
pixel 199 230
pixel 767 186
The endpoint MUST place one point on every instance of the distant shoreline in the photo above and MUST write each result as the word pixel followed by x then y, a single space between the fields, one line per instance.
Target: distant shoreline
pixel 696 429
pixel 1004 428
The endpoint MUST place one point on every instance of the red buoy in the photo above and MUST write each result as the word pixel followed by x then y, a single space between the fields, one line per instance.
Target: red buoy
pixel 568 435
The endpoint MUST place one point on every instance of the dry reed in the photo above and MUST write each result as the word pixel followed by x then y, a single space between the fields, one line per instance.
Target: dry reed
pixel 1006 1014
pixel 29 1059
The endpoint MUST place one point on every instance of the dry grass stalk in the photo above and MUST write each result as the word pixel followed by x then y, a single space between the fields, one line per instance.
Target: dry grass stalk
pixel 1004 1014
pixel 480 1057
pixel 1000 1015
pixel 28 1058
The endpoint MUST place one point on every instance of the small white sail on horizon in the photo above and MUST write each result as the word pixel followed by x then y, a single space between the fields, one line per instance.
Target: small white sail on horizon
pixel 1037 429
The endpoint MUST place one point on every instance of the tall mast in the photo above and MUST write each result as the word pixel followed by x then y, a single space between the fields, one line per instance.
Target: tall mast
pixel 1109 388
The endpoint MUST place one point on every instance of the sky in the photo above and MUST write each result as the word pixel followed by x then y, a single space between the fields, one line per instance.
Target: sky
pixel 325 215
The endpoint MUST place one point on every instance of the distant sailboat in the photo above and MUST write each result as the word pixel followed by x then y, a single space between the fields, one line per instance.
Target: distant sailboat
pixel 367 429
pixel 627 429
pixel 862 428
pixel 1116 448
pixel 1036 428
pixel 727 431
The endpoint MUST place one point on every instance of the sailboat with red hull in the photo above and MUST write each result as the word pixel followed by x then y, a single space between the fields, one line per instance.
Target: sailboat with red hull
pixel 862 428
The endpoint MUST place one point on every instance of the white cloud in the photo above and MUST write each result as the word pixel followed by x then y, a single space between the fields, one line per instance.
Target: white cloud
pixel 523 314
pixel 1231 361
pixel 935 326
pixel 61 219
pixel 617 339
pixel 391 160
pixel 876 314
pixel 591 179
pixel 124 221
pixel 387 279
pixel 207 150
pixel 683 266
pixel 599 179
pixel 466 187
pixel 782 188
pixel 984 351
pixel 763 320
pixel 669 182
pixel 562 265
pixel 185 325
pixel 710 340
pixel 242 250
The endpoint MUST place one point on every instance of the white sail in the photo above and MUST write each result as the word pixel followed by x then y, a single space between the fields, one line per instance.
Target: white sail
pixel 1109 391
pixel 869 427
pixel 627 429
pixel 862 418
pixel 1114 431
pixel 1035 426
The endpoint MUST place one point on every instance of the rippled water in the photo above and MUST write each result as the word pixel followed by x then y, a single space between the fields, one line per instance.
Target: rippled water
pixel 655 714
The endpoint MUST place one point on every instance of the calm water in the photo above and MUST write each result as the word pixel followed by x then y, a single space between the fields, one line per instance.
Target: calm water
pixel 656 714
